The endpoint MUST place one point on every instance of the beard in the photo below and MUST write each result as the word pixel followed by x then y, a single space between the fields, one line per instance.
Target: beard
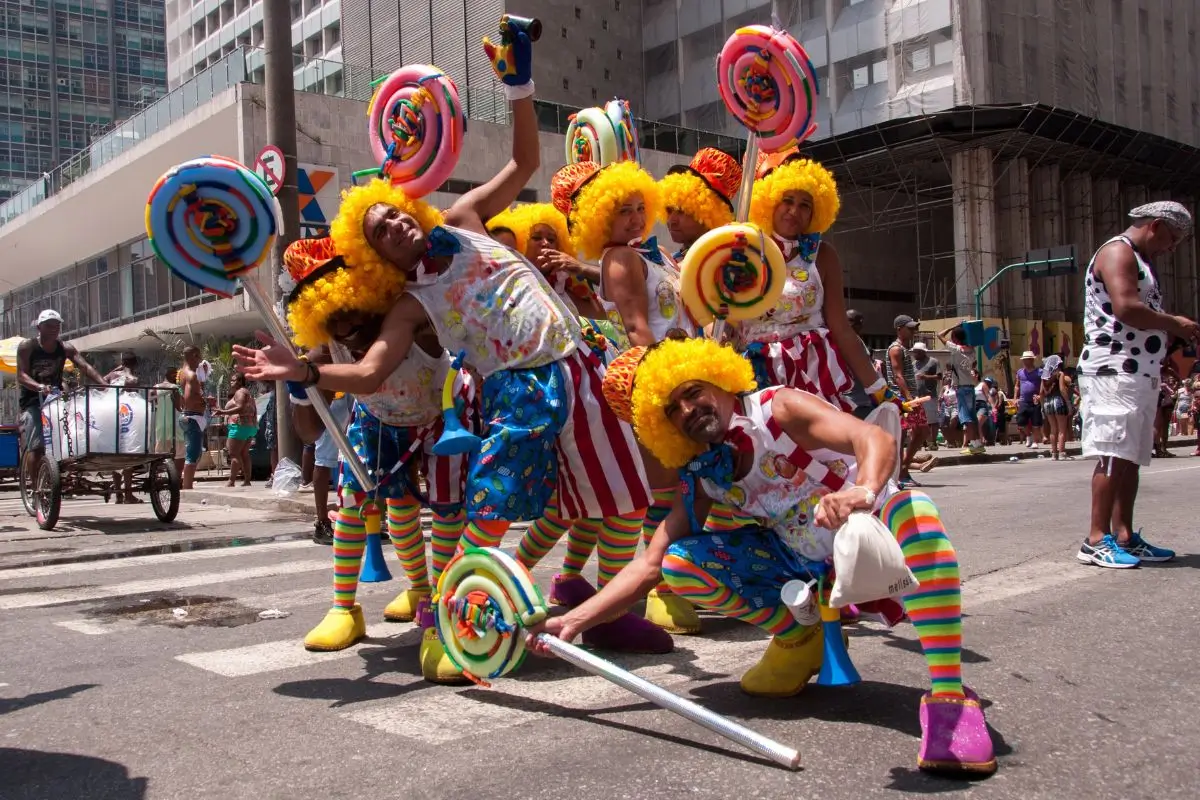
pixel 705 428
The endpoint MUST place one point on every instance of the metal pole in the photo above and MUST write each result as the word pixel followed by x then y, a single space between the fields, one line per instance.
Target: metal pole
pixel 741 205
pixel 281 132
pixel 781 754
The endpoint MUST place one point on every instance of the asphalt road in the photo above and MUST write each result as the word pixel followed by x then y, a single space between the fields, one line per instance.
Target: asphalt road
pixel 1089 675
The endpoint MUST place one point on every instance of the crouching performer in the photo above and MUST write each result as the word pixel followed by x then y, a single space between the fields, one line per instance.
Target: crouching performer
pixel 799 467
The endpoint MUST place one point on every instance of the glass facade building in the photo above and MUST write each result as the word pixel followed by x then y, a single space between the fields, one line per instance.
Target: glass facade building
pixel 68 72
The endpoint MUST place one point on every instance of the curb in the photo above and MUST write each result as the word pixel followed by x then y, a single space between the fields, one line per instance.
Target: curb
pixel 955 458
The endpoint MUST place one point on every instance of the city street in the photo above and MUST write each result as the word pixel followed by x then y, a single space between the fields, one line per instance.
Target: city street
pixel 107 691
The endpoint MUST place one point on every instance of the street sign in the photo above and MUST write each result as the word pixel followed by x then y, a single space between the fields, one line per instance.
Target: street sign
pixel 269 167
pixel 1049 262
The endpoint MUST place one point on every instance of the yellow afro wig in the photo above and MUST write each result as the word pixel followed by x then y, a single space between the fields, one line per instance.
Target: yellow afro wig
pixel 802 175
pixel 662 370
pixel 367 283
pixel 594 208
pixel 521 220
pixel 691 195
pixel 347 227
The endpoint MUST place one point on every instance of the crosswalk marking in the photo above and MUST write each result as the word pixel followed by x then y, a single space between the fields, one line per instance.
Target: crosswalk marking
pixel 239 662
pixel 86 627
pixel 39 599
pixel 164 559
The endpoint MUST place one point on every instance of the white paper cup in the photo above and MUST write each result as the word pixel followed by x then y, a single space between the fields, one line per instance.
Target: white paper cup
pixel 800 601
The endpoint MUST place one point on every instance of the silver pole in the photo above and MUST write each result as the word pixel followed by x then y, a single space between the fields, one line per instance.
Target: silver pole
pixel 781 754
pixel 280 335
pixel 746 188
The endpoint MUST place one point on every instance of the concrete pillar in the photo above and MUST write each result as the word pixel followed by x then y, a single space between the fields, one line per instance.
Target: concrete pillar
pixel 1046 230
pixel 974 228
pixel 1013 233
pixel 1079 210
pixel 1109 215
pixel 1187 302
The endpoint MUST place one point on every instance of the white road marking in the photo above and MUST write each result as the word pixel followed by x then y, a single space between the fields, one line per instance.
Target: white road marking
pixel 87 627
pixel 40 599
pixel 238 662
pixel 165 559
pixel 1025 579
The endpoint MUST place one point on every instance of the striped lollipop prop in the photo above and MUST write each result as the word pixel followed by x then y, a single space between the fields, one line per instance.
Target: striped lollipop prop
pixel 416 128
pixel 211 220
pixel 484 601
pixel 602 135
pixel 768 82
pixel 732 272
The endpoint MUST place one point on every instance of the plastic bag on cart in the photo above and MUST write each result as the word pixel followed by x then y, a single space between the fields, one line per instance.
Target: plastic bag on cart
pixel 76 425
pixel 286 479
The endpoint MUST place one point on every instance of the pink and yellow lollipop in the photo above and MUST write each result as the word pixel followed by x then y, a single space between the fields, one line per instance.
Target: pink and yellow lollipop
pixel 732 272
pixel 417 128
pixel 768 82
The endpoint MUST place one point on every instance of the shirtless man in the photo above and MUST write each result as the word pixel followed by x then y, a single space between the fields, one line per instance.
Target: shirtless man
pixel 194 418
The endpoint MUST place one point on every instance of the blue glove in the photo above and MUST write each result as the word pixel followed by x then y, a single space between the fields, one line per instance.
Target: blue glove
pixel 297 393
pixel 512 59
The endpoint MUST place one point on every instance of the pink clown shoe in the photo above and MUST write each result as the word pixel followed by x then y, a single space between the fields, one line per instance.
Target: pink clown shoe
pixel 954 736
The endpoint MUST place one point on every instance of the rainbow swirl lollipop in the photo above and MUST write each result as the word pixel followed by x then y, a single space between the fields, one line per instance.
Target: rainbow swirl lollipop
pixel 732 272
pixel 484 599
pixel 621 117
pixel 417 128
pixel 602 135
pixel 768 82
pixel 211 220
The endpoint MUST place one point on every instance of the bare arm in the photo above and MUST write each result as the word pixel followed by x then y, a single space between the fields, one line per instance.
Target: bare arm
pixel 24 351
pixel 500 192
pixel 849 346
pixel 1117 267
pixel 624 282
pixel 635 580
pixel 305 420
pixel 82 365
pixel 814 424
pixel 896 357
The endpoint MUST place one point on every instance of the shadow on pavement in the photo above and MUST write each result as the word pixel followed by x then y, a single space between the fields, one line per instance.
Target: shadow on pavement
pixel 34 775
pixel 11 704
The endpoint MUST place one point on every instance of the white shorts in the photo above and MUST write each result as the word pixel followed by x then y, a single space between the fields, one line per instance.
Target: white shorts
pixel 1118 416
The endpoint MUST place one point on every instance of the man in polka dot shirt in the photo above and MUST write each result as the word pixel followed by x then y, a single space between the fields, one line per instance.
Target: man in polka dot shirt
pixel 1126 336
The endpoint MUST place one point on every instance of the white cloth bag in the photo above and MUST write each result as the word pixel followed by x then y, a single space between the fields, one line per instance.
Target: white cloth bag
pixel 868 563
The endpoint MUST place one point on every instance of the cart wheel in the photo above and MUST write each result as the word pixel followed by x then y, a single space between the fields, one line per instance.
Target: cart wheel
pixel 164 486
pixel 26 484
pixel 47 497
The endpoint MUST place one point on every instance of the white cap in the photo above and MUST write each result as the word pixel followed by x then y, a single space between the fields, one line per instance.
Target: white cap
pixel 920 346
pixel 49 315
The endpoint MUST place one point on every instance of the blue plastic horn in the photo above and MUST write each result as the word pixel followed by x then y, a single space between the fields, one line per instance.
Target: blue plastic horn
pixel 836 667
pixel 455 439
pixel 374 568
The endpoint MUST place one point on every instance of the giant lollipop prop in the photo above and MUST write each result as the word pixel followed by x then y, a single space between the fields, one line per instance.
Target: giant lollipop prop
pixel 732 272
pixel 485 599
pixel 416 128
pixel 211 221
pixel 602 135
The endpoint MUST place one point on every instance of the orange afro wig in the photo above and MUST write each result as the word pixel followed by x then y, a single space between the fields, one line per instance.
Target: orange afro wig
pixel 797 175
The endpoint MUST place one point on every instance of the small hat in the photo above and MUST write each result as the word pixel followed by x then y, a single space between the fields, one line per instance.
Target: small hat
pixel 1028 354
pixel 567 182
pixel 1170 212
pixel 920 347
pixel 720 171
pixel 905 321
pixel 768 162
pixel 308 260
pixel 49 315
pixel 618 382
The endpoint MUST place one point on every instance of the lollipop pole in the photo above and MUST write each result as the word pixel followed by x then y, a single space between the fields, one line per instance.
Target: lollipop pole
pixel 781 754
pixel 275 327
pixel 746 188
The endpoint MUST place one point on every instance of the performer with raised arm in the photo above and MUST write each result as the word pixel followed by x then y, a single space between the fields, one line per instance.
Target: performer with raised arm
pixel 800 467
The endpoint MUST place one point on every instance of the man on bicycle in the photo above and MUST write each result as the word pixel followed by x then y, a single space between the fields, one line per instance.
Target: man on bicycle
pixel 40 364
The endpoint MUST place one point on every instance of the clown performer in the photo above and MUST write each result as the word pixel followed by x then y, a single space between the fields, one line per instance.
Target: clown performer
pixel 337 312
pixel 546 426
pixel 698 196
pixel 805 342
pixel 800 467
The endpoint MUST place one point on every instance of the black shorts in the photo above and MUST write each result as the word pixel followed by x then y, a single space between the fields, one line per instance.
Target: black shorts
pixel 1029 414
pixel 31 431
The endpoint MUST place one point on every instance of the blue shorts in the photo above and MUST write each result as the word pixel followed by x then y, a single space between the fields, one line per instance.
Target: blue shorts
pixel 754 562
pixel 965 395
pixel 193 440
pixel 516 470
pixel 325 452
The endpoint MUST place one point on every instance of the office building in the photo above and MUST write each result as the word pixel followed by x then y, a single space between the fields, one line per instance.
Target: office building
pixel 67 74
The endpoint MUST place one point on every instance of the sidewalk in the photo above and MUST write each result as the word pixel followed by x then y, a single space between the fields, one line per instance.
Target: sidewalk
pixel 949 457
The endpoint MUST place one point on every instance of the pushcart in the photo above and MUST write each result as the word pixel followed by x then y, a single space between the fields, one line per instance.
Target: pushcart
pixel 94 432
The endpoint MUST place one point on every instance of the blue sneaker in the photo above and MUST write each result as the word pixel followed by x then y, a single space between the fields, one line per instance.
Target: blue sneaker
pixel 1140 549
pixel 1106 554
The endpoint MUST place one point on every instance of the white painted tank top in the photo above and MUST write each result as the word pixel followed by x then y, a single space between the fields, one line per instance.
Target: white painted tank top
pixel 785 483
pixel 799 309
pixel 412 395
pixel 493 304
pixel 665 309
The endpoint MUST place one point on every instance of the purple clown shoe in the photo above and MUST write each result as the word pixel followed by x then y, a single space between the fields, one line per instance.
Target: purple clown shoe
pixel 629 633
pixel 954 736
pixel 570 590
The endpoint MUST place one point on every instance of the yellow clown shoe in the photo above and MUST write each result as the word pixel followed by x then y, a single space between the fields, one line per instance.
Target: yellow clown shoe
pixel 672 613
pixel 340 629
pixel 436 666
pixel 786 666
pixel 403 607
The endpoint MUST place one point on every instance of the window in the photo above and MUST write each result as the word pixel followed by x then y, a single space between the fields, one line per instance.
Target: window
pixel 591 44
pixel 607 75
pixel 603 24
pixel 618 54
pixel 879 72
pixel 919 59
pixel 578 13
pixel 566 84
pixel 943 52
pixel 593 94
pixel 859 78
pixel 564 32
pixel 579 63
pixel 617 5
